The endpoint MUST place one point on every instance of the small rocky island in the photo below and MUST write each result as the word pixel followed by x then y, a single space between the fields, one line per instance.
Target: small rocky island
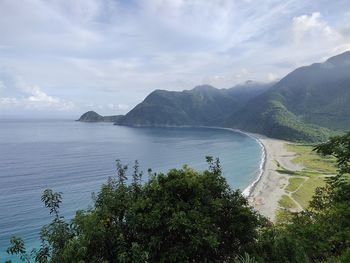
pixel 92 116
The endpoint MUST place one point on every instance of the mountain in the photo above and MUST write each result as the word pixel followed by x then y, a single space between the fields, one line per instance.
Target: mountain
pixel 92 116
pixel 203 105
pixel 303 106
pixel 309 104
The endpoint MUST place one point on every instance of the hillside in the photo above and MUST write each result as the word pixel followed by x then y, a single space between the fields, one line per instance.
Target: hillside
pixel 92 116
pixel 309 104
pixel 303 106
pixel 203 105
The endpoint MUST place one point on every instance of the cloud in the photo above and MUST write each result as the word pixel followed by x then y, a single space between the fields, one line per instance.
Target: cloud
pixel 305 26
pixel 123 107
pixel 88 51
pixel 16 93
pixel 119 106
pixel 272 77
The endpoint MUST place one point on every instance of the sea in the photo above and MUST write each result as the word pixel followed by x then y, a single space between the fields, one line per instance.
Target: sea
pixel 76 158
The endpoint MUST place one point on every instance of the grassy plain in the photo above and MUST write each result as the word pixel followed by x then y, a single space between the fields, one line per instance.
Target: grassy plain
pixel 302 184
pixel 287 202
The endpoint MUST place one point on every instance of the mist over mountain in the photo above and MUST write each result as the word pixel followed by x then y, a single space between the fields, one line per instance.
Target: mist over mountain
pixel 203 105
pixel 308 104
pixel 304 105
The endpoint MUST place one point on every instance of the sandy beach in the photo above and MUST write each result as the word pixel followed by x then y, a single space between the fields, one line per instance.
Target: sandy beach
pixel 267 190
pixel 266 193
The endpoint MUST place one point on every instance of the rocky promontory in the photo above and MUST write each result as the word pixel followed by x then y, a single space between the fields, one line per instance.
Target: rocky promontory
pixel 92 116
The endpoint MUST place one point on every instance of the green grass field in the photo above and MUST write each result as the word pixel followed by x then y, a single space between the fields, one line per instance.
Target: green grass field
pixel 307 190
pixel 286 202
pixel 302 184
pixel 294 183
pixel 312 160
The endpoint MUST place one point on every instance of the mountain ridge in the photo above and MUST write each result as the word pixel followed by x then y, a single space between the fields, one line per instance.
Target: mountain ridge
pixel 308 104
pixel 313 99
pixel 198 106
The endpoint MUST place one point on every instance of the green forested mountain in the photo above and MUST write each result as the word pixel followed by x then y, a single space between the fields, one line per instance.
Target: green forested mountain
pixel 304 105
pixel 308 104
pixel 92 116
pixel 203 105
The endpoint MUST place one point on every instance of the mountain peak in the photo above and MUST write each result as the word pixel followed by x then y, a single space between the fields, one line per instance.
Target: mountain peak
pixel 341 59
pixel 92 116
pixel 204 87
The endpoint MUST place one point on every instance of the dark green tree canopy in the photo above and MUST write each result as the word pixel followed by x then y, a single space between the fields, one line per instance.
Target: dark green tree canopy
pixel 181 216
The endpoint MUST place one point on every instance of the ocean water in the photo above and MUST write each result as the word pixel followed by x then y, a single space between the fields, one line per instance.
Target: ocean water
pixel 76 158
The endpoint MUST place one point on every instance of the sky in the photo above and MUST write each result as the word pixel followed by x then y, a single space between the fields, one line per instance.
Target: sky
pixel 62 58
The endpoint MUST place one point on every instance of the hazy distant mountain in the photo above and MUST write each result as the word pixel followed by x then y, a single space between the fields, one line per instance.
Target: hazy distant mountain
pixel 92 116
pixel 203 105
pixel 302 105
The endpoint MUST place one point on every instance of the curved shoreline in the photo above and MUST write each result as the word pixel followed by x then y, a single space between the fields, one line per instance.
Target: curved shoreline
pixel 267 188
pixel 250 188
pixel 247 192
pixel 265 192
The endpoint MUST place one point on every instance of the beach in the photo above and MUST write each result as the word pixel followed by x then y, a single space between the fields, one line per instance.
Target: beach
pixel 268 189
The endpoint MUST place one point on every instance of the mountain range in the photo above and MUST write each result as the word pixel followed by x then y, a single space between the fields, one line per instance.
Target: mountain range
pixel 203 105
pixel 309 104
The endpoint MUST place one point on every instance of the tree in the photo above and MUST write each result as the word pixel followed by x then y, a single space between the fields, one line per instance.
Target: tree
pixel 181 216
pixel 339 147
pixel 187 216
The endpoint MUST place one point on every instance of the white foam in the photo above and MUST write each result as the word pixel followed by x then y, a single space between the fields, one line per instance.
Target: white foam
pixel 247 192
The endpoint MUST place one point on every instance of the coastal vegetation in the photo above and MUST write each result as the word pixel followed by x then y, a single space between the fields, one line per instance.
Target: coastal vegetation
pixel 311 160
pixel 307 189
pixel 301 185
pixel 294 184
pixel 191 216
pixel 287 202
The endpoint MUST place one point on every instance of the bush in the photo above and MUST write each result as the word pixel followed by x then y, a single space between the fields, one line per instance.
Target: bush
pixel 181 216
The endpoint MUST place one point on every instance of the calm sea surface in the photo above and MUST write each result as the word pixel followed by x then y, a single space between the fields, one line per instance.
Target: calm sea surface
pixel 76 158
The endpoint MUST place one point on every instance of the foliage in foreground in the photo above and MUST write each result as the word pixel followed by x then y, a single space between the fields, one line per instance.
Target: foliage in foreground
pixel 189 216
pixel 182 216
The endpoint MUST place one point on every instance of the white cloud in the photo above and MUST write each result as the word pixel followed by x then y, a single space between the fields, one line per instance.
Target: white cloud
pixel 87 51
pixel 312 26
pixel 242 73
pixel 272 77
pixel 24 96
pixel 123 107
pixel 110 106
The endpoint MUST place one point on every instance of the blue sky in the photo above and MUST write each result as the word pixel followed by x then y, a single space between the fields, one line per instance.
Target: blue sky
pixel 61 58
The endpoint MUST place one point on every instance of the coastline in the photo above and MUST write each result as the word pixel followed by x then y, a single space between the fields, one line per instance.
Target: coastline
pixel 266 191
pixel 267 188
pixel 250 188
pixel 247 192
